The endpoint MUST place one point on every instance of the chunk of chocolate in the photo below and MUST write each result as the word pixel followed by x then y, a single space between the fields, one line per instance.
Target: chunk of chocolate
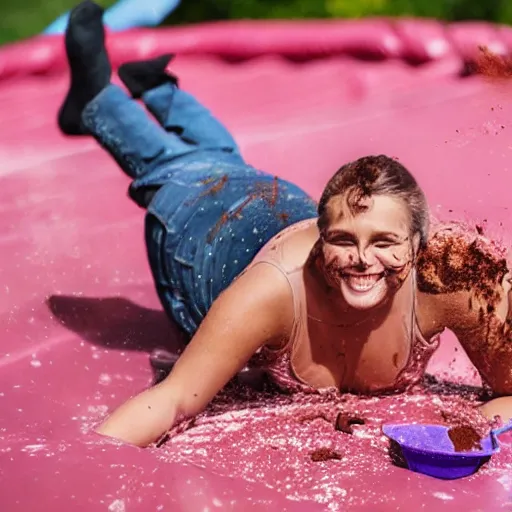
pixel 323 454
pixel 344 422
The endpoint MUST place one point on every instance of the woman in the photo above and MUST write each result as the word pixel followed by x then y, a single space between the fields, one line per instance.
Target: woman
pixel 350 293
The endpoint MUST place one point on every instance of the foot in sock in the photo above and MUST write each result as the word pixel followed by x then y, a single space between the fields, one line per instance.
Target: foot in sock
pixel 88 63
pixel 144 75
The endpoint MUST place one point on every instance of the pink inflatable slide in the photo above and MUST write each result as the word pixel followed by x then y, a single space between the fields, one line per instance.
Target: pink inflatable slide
pixel 79 314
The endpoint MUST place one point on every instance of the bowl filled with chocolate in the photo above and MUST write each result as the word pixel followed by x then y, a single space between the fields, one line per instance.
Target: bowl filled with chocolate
pixel 442 451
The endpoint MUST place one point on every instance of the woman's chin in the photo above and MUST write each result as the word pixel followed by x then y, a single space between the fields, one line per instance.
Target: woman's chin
pixel 364 299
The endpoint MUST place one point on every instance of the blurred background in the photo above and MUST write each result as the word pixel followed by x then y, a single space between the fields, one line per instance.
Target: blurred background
pixel 24 18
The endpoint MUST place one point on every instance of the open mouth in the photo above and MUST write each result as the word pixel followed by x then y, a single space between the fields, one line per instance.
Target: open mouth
pixel 362 283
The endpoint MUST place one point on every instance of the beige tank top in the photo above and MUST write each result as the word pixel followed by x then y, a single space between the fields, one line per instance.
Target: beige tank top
pixel 281 364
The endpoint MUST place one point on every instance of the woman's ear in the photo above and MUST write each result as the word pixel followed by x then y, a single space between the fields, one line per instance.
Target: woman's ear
pixel 416 243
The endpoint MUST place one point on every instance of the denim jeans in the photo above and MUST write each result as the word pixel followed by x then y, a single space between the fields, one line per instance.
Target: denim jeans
pixel 208 212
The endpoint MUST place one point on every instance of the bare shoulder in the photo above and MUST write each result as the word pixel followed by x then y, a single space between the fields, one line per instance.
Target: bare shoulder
pixel 261 295
pixel 296 246
pixel 264 288
pixel 459 258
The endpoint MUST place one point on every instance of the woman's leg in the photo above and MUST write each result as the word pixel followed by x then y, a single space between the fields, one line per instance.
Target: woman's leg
pixel 172 177
pixel 94 106
pixel 208 212
pixel 139 145
pixel 176 110
pixel 88 62
pixel 151 156
pixel 181 115
pixel 146 152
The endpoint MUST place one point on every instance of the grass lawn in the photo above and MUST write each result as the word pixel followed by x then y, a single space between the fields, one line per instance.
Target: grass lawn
pixel 25 18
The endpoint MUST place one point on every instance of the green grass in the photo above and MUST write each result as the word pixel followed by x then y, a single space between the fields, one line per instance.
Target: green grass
pixel 25 18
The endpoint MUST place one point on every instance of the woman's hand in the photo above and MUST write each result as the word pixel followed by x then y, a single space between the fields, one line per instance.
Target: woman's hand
pixel 257 309
pixel 501 407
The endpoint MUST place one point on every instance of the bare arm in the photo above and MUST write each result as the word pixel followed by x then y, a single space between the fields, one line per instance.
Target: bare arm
pixel 487 340
pixel 255 310
pixel 485 337
pixel 467 278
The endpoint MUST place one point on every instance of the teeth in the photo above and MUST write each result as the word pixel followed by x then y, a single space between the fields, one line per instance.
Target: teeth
pixel 362 283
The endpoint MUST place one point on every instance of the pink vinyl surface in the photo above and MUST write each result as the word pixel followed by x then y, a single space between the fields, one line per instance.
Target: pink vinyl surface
pixel 79 313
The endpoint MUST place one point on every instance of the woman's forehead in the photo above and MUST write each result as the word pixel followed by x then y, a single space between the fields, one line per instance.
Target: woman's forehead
pixel 383 212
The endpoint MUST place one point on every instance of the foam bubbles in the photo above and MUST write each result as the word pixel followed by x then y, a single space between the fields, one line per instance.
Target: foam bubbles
pixel 117 506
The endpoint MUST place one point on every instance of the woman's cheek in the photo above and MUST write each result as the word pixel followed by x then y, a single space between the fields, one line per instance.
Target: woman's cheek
pixel 398 262
pixel 395 258
pixel 340 258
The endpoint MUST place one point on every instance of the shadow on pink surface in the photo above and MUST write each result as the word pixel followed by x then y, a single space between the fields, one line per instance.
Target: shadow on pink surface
pixel 116 323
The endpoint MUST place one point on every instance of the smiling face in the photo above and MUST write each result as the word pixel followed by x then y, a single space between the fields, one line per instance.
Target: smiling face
pixel 368 254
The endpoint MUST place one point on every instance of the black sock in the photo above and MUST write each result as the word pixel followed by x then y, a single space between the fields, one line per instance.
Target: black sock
pixel 88 63
pixel 142 75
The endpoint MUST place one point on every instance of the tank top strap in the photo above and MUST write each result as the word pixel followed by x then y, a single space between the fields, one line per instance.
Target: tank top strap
pixel 272 254
pixel 417 335
pixel 294 279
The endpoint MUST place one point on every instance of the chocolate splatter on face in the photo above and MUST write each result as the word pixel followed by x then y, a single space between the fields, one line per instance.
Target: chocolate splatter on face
pixel 395 272
pixel 375 242
pixel 358 195
pixel 357 183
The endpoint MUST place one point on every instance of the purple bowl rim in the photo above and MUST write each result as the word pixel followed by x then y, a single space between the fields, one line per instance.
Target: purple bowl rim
pixel 456 455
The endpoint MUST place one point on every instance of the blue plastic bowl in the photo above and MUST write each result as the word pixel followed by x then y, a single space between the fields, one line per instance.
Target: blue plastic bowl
pixel 427 449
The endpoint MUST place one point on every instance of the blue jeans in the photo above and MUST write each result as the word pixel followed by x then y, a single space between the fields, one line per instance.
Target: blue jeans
pixel 208 212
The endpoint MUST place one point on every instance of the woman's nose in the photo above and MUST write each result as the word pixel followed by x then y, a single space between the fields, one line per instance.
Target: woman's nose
pixel 365 257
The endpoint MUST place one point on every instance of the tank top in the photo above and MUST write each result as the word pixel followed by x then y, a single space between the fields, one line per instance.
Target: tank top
pixel 278 364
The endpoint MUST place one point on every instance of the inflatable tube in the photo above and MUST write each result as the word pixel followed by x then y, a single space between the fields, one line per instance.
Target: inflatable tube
pixel 413 41
pixel 79 315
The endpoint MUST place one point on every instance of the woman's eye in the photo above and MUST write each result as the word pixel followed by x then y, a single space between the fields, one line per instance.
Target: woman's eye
pixel 383 245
